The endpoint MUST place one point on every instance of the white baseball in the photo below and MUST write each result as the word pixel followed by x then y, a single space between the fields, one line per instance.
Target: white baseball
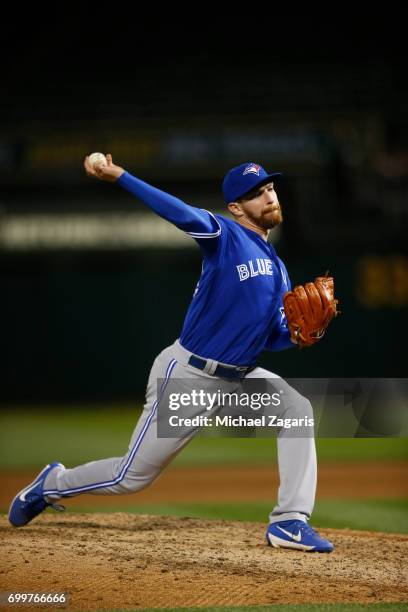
pixel 96 158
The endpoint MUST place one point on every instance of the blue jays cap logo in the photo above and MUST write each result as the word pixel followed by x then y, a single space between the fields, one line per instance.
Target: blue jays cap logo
pixel 252 169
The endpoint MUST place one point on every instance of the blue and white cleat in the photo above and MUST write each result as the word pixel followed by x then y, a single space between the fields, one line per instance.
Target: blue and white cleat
pixel 30 502
pixel 296 534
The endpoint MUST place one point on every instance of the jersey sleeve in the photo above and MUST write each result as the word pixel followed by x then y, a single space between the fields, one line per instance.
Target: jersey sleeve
pixel 198 223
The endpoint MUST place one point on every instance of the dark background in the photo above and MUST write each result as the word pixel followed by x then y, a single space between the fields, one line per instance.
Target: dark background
pixel 179 110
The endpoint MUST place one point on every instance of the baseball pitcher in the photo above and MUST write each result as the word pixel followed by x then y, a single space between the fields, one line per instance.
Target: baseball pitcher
pixel 243 304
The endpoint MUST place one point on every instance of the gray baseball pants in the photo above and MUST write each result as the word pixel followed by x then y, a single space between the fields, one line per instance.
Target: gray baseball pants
pixel 149 454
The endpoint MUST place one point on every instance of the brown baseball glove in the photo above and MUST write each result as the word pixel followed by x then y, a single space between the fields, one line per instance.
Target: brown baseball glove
pixel 309 309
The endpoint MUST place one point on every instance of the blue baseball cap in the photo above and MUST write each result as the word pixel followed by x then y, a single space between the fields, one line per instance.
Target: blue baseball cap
pixel 243 179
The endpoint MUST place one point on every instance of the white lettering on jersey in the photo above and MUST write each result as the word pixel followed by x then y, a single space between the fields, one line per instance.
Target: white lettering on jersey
pixel 260 267
pixel 268 264
pixel 243 272
pixel 251 267
pixel 283 320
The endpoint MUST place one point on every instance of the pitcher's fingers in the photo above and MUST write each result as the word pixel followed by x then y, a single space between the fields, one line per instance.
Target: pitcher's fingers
pixel 88 168
pixel 99 168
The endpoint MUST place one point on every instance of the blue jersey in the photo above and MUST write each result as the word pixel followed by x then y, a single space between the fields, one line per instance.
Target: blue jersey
pixel 237 310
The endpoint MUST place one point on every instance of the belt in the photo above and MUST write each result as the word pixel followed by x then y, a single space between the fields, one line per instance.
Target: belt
pixel 234 373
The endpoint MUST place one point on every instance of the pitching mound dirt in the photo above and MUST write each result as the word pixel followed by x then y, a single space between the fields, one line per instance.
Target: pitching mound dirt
pixel 120 560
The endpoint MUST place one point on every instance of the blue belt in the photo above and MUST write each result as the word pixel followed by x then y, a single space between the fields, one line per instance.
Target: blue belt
pixel 234 373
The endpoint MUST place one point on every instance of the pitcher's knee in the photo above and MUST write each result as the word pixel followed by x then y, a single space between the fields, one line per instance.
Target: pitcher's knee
pixel 132 483
pixel 302 408
pixel 138 477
